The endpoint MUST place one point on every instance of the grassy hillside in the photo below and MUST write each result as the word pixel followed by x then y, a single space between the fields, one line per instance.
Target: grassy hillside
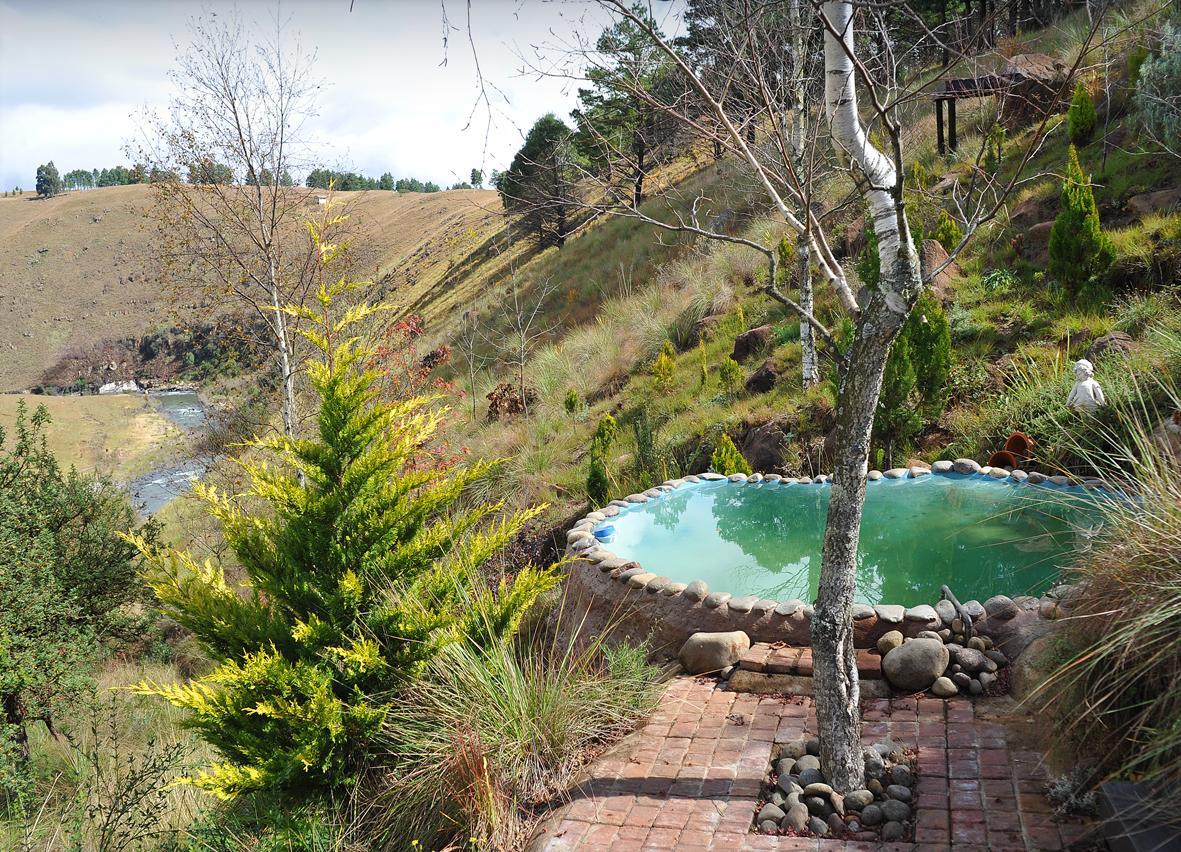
pixel 72 268
pixel 1014 331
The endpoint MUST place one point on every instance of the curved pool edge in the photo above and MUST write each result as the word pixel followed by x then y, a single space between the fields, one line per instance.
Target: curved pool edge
pixel 654 608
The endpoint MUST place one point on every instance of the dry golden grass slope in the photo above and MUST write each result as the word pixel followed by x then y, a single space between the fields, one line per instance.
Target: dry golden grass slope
pixel 121 435
pixel 73 267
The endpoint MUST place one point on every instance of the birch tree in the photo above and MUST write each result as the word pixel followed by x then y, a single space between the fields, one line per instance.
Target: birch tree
pixel 231 234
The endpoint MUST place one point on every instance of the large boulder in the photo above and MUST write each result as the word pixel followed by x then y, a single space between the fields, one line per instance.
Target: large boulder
pixel 1032 668
pixel 1034 242
pixel 1014 636
pixel 1161 201
pixel 1028 212
pixel 915 666
pixel 1112 343
pixel 932 256
pixel 1035 89
pixel 764 446
pixel 751 343
pixel 712 652
pixel 762 379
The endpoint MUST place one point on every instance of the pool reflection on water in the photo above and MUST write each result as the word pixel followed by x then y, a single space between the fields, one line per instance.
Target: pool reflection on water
pixel 979 536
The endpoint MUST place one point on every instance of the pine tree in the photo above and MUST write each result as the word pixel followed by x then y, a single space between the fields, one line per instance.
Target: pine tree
pixel 1080 118
pixel 1078 247
pixel 359 566
pixel 726 459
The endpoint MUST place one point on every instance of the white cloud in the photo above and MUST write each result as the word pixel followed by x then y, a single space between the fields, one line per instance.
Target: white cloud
pixel 390 106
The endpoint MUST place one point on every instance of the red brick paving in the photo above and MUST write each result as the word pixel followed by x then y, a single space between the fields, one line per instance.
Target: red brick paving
pixel 690 778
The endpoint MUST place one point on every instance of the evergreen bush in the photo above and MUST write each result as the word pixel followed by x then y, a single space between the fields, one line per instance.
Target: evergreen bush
pixel 948 232
pixel 1078 247
pixel 664 367
pixel 573 402
pixel 359 566
pixel 929 341
pixel 897 421
pixel 598 485
pixel 1080 118
pixel 726 459
pixel 68 585
pixel 730 373
pixel 1158 90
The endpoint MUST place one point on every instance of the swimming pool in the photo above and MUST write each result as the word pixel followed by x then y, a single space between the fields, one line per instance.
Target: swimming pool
pixel 977 534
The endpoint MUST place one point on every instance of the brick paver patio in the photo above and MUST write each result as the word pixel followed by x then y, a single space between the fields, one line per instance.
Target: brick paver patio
pixel 689 779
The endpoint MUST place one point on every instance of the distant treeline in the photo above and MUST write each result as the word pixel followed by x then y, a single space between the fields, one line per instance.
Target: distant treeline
pixel 348 181
pixel 114 176
pixel 206 172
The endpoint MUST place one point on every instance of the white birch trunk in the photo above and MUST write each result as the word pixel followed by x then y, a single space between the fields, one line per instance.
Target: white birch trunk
pixel 883 310
pixel 809 365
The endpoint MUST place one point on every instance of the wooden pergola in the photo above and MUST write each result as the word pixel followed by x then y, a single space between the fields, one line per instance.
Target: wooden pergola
pixel 963 88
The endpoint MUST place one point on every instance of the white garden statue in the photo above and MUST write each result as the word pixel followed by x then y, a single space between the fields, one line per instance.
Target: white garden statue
pixel 1086 395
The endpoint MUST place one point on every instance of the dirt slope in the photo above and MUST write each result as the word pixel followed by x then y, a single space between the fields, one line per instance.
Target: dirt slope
pixel 72 267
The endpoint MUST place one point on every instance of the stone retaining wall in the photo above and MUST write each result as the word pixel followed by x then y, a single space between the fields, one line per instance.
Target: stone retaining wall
pixel 605 591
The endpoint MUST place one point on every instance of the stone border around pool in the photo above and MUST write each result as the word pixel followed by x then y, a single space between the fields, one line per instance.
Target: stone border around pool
pixel 681 609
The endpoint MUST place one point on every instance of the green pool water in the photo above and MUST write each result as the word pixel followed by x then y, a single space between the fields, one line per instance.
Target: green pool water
pixel 979 536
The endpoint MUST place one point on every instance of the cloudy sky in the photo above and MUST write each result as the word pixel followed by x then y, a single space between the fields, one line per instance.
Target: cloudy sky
pixel 74 74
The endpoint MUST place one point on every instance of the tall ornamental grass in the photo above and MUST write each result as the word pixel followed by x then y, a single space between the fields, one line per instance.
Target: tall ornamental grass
pixel 1118 694
pixel 490 735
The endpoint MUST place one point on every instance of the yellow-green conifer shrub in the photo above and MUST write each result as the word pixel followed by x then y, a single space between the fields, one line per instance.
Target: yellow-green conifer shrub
pixel 726 458
pixel 664 367
pixel 730 372
pixel 359 566
pixel 947 232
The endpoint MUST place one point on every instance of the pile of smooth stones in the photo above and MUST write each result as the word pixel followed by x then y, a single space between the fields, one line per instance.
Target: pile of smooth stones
pixel 797 799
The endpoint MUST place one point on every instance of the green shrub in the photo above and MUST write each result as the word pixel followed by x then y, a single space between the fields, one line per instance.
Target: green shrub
pixel 730 374
pixel 1078 247
pixel 703 360
pixel 1157 101
pixel 67 579
pixel 605 433
pixel 997 281
pixel 652 461
pixel 1080 118
pixel 929 339
pixel 948 232
pixel 896 421
pixel 598 486
pixel 359 567
pixel 573 402
pixel 726 458
pixel 491 735
pixel 995 151
pixel 664 367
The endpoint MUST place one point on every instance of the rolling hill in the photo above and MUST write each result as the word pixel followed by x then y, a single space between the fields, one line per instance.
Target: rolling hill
pixel 73 267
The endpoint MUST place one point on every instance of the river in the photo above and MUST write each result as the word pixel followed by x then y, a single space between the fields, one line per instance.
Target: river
pixel 157 488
